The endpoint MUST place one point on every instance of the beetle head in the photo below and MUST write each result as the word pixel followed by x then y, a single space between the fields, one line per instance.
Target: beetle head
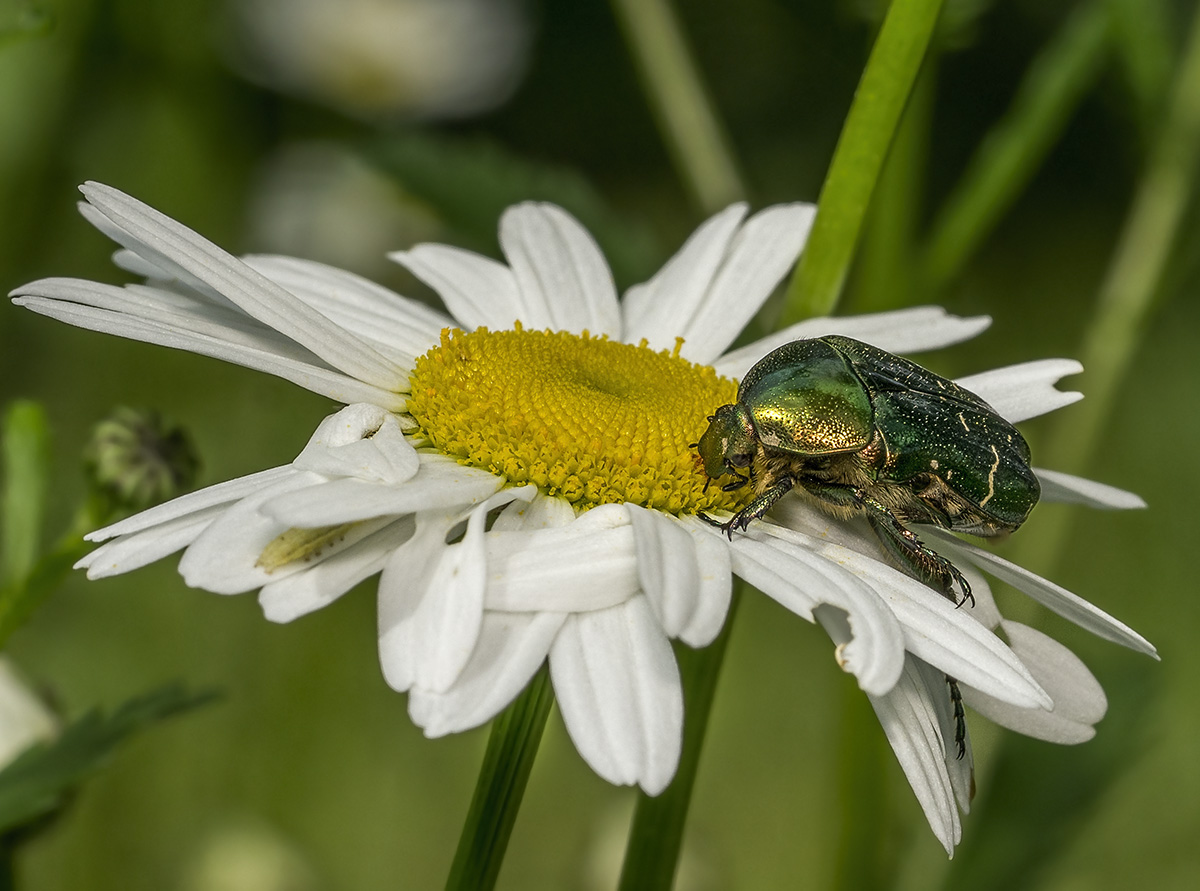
pixel 729 442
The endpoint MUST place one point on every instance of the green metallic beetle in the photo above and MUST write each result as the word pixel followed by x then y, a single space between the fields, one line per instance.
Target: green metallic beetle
pixel 864 431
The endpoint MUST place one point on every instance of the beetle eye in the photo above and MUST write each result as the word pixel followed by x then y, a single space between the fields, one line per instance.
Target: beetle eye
pixel 740 460
pixel 710 417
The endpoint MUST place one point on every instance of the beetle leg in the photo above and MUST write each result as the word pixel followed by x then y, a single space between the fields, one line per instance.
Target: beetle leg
pixel 738 482
pixel 960 717
pixel 914 556
pixel 923 562
pixel 759 506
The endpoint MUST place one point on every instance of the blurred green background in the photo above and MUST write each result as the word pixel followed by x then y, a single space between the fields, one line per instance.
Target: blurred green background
pixel 268 128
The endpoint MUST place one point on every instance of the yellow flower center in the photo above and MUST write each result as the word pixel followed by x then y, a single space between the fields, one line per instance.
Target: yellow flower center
pixel 582 417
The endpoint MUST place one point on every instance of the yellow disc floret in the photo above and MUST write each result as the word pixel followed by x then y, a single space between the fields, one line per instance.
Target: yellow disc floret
pixel 585 418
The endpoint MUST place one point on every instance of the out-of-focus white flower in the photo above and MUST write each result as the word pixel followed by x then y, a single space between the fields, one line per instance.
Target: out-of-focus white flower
pixel 386 58
pixel 249 856
pixel 24 717
pixel 320 201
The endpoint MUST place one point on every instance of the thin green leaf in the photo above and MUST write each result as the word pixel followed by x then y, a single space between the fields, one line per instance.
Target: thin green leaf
pixel 858 159
pixel 24 474
pixel 1141 36
pixel 1007 158
pixel 512 747
pixel 470 182
pixel 41 780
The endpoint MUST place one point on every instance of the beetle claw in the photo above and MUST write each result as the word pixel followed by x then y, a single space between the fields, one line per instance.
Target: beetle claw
pixel 963 585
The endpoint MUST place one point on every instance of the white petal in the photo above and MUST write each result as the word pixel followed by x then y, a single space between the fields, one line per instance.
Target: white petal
pixel 194 502
pixel 910 722
pixel 1054 597
pixel 1068 489
pixel 138 549
pixel 543 512
pixel 477 290
pixel 1020 392
pixel 911 330
pixel 403 588
pixel 1079 700
pixel 618 689
pixel 800 580
pixel 560 270
pixel 325 581
pixel 68 300
pixel 590 563
pixel 126 259
pixel 661 308
pixel 934 630
pixel 444 626
pixel 361 441
pixel 715 583
pixel 757 260
pixel 668 568
pixel 511 648
pixel 142 228
pixel 960 770
pixel 183 311
pixel 397 327
pixel 224 558
pixel 438 484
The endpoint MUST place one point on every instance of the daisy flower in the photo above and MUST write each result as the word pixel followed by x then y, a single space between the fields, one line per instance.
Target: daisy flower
pixel 518 471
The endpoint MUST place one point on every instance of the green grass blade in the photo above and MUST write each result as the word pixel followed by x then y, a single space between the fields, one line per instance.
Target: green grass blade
pixel 1016 146
pixel 24 475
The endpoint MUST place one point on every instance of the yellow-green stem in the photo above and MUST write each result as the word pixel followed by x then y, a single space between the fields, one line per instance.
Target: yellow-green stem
pixel 671 80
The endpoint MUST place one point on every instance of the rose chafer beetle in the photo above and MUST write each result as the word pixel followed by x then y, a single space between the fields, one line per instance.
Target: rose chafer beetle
pixel 865 432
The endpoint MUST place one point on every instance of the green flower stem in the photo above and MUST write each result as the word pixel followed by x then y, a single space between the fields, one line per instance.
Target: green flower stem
pixel 512 747
pixel 694 137
pixel 656 837
pixel 886 277
pixel 1131 285
pixel 1016 146
pixel 864 860
pixel 858 159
